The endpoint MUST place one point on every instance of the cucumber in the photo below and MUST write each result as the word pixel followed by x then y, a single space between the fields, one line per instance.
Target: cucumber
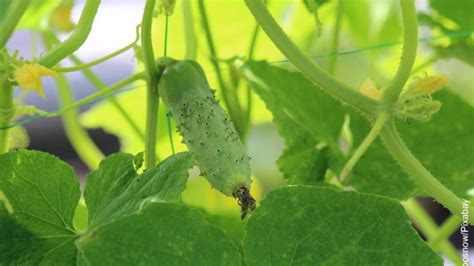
pixel 207 130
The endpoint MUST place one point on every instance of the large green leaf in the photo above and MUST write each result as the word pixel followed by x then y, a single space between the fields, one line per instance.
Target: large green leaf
pixel 115 189
pixel 43 192
pixel 320 226
pixel 159 234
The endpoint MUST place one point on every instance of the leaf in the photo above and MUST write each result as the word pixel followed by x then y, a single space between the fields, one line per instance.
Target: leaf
pixel 460 13
pixel 43 193
pixel 160 234
pixel 320 226
pixel 303 162
pixel 115 189
pixel 290 96
pixel 305 115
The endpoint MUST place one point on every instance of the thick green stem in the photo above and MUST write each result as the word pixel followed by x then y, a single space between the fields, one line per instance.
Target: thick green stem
pixel 415 170
pixel 80 140
pixel 374 132
pixel 12 17
pixel 429 228
pixel 335 38
pixel 7 111
pixel 410 43
pixel 189 34
pixel 231 100
pixel 152 96
pixel 306 66
pixel 77 38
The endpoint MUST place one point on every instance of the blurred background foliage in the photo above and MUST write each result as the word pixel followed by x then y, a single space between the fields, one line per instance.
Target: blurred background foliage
pixel 369 47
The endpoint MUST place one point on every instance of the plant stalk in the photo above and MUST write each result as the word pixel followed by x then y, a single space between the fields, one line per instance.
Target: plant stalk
pixel 410 43
pixel 152 85
pixel 14 13
pixel 189 34
pixel 445 231
pixel 77 38
pixel 7 111
pixel 429 228
pixel 374 132
pixel 306 66
pixel 415 170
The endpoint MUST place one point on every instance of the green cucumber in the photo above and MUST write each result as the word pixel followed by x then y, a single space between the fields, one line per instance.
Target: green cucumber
pixel 207 130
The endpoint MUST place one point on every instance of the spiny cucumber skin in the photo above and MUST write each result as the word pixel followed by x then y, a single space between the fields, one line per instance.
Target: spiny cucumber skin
pixel 206 129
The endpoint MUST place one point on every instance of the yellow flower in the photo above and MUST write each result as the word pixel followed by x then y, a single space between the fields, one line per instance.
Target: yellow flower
pixel 369 89
pixel 29 76
pixel 430 84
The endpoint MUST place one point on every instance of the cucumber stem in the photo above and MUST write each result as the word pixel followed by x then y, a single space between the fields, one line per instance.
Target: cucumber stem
pixel 374 132
pixel 422 177
pixel 7 111
pixel 152 96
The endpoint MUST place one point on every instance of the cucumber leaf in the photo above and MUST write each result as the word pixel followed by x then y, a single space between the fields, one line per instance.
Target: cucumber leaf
pixel 43 193
pixel 319 226
pixel 159 234
pixel 115 189
pixel 40 195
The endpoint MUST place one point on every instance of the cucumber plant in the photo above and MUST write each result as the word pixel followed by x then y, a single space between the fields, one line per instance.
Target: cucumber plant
pixel 348 197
